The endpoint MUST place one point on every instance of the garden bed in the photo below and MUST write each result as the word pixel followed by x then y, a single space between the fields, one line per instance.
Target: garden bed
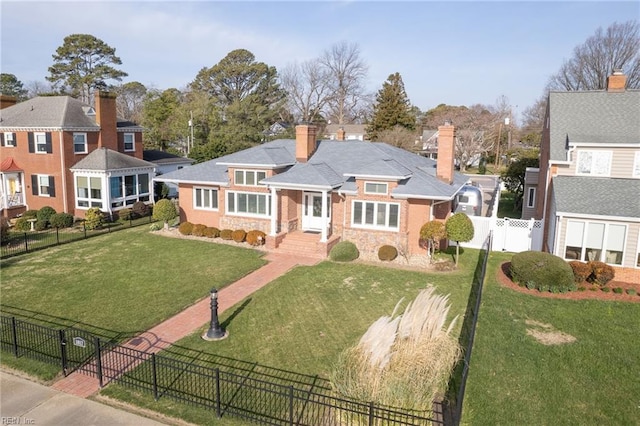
pixel 589 291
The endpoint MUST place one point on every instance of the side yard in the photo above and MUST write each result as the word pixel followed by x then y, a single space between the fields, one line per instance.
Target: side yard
pixel 550 361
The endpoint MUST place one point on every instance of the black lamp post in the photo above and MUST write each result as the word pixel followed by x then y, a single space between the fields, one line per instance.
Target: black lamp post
pixel 215 332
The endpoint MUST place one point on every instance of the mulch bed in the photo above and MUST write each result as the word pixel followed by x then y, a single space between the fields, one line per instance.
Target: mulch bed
pixel 591 291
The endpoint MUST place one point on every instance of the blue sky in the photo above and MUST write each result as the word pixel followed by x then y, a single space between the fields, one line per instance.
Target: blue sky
pixel 457 53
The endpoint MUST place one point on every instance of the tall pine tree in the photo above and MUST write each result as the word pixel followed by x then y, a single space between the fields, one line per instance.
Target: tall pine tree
pixel 392 109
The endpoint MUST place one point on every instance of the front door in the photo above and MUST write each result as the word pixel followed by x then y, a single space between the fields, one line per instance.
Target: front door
pixel 312 212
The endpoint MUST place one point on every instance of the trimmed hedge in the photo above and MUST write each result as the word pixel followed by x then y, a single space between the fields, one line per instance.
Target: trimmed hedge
pixel 94 218
pixel 225 234
pixel 198 230
pixel 61 220
pixel 212 232
pixel 387 253
pixel 544 271
pixel 256 238
pixel 44 215
pixel 140 209
pixel 344 251
pixel 185 228
pixel 125 214
pixel 601 273
pixel 239 235
pixel 581 271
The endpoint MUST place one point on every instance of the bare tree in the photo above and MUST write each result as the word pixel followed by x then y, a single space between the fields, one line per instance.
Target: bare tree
pixel 347 72
pixel 37 88
pixel 130 100
pixel 533 121
pixel 307 87
pixel 617 47
pixel 399 136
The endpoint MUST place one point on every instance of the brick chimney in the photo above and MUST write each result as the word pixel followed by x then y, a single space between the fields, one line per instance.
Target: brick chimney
pixel 341 134
pixel 305 142
pixel 7 101
pixel 617 81
pixel 446 149
pixel 106 119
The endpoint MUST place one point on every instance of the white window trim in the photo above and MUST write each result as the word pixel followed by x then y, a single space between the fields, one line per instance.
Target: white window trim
pixel 593 154
pixel 85 143
pixel 36 144
pixel 374 226
pixel 386 186
pixel 531 198
pixel 244 177
pixel 89 199
pixel 8 136
pixel 243 214
pixel 604 240
pixel 636 165
pixel 133 142
pixel 39 193
pixel 213 190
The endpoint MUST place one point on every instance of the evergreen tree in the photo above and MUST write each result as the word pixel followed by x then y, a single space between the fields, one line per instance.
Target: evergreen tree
pixel 83 64
pixel 392 108
pixel 11 86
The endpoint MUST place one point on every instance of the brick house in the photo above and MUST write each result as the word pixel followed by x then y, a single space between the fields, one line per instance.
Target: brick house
pixel 58 152
pixel 307 195
pixel 588 185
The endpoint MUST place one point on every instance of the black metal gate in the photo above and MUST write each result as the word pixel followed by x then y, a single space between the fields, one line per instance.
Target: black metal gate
pixel 79 351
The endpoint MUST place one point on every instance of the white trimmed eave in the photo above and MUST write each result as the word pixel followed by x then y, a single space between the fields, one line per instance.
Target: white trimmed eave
pixel 118 171
pixel 378 177
pixel 256 166
pixel 299 187
pixel 603 145
pixel 191 182
pixel 569 215
pixel 45 129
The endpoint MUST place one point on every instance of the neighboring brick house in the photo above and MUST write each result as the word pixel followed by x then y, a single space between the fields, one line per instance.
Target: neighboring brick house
pixel 58 152
pixel 308 195
pixel 588 187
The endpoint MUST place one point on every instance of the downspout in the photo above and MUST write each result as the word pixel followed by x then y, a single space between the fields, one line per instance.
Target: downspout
pixel 274 212
pixel 64 173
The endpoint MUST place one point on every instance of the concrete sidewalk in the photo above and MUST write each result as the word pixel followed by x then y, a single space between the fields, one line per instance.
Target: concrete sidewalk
pixel 23 402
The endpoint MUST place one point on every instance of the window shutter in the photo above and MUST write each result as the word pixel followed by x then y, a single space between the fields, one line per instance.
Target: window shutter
pixel 48 143
pixel 15 139
pixel 52 187
pixel 34 184
pixel 32 146
pixel 1 139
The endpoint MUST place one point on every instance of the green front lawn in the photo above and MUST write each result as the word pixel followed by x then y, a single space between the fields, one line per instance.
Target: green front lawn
pixel 124 282
pixel 516 379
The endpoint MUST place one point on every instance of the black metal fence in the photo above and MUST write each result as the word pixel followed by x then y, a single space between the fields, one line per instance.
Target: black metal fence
pixel 458 382
pixel 25 242
pixel 249 393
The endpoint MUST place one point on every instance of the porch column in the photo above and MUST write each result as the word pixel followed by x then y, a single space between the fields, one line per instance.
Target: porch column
pixel 274 213
pixel 323 237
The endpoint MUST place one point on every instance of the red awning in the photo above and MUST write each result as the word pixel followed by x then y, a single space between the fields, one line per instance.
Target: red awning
pixel 8 165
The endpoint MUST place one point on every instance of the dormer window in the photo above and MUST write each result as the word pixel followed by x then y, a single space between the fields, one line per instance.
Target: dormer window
pixel 594 163
pixel 375 188
pixel 249 177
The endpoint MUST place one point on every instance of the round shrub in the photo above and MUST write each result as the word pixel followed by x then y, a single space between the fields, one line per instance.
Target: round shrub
pixel 387 253
pixel 165 211
pixel 581 271
pixel 43 216
pixel 198 230
pixel 256 238
pixel 41 226
pixel 140 209
pixel 601 273
pixel 541 270
pixel 344 251
pixel 225 234
pixel 211 232
pixel 125 214
pixel 155 227
pixel 61 220
pixel 239 235
pixel 22 224
pixel 94 218
pixel 185 228
pixel 30 214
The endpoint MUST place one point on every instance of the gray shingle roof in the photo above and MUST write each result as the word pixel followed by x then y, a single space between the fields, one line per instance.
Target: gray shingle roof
pixel 106 159
pixel 332 165
pixel 593 117
pixel 58 112
pixel 597 196
pixel 162 157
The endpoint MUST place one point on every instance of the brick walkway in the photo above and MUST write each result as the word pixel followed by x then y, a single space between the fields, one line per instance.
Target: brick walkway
pixel 191 319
